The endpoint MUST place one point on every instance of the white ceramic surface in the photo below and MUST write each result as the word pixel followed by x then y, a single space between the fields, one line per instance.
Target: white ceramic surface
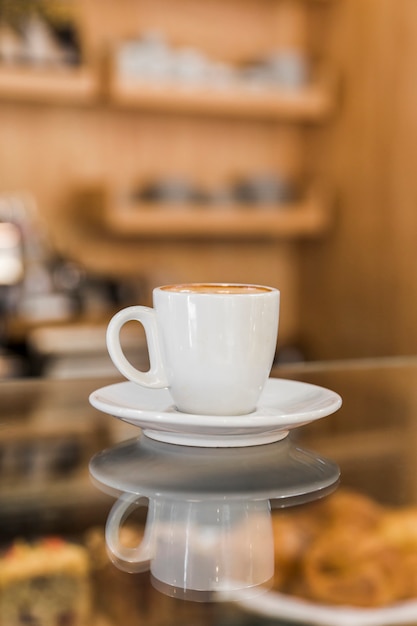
pixel 279 606
pixel 283 405
pixel 197 545
pixel 212 345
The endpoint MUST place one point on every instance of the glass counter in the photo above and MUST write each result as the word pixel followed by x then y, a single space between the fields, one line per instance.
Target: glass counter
pixel 50 433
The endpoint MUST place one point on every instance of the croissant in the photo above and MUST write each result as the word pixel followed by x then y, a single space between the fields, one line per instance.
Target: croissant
pixel 347 549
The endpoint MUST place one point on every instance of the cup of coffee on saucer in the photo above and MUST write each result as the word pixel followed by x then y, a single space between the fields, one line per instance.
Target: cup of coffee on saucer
pixel 211 344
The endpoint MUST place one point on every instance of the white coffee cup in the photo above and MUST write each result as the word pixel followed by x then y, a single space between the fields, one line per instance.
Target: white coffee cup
pixel 199 545
pixel 211 344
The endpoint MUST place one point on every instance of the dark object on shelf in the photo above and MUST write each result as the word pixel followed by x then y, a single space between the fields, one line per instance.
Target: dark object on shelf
pixel 265 189
pixel 170 191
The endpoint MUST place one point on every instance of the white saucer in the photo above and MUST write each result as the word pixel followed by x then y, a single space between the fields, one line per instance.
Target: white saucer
pixel 278 606
pixel 283 405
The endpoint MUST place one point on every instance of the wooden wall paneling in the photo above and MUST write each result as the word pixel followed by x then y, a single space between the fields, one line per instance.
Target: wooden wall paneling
pixel 358 289
pixel 44 149
pixel 290 23
pixel 403 192
pixel 206 26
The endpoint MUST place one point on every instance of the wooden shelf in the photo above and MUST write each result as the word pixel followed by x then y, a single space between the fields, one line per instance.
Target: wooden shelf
pixel 68 85
pixel 310 103
pixel 310 218
pixel 65 85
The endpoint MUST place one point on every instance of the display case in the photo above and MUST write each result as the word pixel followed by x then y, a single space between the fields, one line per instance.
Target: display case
pixel 49 504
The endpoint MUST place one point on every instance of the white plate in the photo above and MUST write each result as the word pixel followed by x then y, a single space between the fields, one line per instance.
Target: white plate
pixel 284 405
pixel 280 606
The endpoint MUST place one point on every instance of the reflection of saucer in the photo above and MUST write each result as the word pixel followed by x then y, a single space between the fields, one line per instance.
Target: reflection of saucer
pixel 281 471
pixel 283 405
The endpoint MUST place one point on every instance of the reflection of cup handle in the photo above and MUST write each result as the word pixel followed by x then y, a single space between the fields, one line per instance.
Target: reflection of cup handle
pixel 128 559
pixel 155 377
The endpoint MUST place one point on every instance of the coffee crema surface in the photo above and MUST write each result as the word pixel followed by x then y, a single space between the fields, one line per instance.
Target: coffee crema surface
pixel 213 288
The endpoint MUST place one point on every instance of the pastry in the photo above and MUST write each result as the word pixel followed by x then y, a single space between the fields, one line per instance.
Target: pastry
pixel 46 583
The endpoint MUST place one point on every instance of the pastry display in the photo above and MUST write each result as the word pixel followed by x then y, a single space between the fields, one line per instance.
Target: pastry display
pixel 347 550
pixel 46 583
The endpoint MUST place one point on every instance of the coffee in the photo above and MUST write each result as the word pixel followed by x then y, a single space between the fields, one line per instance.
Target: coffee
pixel 213 288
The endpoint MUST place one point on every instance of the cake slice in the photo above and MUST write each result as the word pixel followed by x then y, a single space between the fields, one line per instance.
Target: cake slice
pixel 45 583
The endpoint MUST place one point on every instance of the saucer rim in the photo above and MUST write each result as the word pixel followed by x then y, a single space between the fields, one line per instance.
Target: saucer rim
pixel 263 417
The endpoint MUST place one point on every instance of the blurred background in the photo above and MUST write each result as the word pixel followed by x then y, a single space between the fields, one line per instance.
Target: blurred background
pixel 146 142
pixel 244 141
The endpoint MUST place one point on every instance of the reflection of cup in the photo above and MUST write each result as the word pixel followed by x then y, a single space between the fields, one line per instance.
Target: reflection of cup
pixel 212 344
pixel 200 545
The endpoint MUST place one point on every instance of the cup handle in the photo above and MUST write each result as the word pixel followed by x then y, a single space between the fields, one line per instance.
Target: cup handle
pixel 131 560
pixel 155 377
